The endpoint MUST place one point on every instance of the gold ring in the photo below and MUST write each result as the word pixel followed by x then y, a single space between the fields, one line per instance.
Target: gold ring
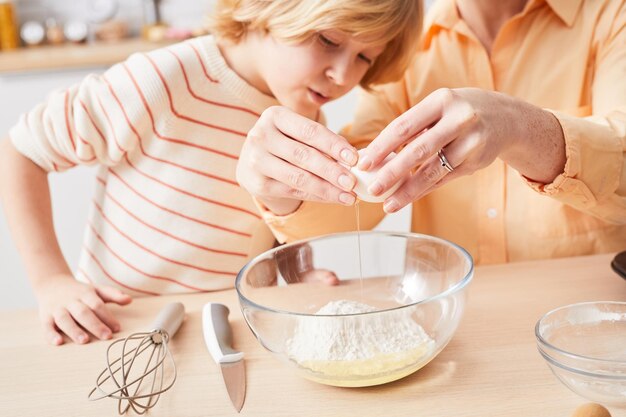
pixel 444 161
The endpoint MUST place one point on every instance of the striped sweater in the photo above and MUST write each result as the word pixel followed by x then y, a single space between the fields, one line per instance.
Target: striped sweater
pixel 166 129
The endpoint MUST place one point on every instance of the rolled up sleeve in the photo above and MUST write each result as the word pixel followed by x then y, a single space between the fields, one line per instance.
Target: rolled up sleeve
pixel 594 178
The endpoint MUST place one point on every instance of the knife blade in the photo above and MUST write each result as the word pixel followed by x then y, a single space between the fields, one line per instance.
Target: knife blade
pixel 218 338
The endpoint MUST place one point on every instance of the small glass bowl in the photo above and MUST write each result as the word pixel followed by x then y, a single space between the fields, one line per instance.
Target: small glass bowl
pixel 585 346
pixel 414 288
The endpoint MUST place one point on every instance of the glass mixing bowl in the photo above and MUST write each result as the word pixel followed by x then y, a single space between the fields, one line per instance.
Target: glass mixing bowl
pixel 354 309
pixel 585 346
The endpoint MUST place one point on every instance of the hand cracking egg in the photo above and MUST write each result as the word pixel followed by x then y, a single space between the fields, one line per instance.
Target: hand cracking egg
pixel 366 178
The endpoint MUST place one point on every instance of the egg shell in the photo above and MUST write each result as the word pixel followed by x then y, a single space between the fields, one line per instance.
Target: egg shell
pixel 591 410
pixel 366 178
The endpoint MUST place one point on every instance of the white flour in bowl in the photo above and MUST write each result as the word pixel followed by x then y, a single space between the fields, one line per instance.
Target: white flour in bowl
pixel 358 346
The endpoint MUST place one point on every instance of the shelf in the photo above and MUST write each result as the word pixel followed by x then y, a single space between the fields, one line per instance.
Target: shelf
pixel 71 56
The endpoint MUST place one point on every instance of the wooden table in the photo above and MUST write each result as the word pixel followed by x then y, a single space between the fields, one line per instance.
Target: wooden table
pixel 490 368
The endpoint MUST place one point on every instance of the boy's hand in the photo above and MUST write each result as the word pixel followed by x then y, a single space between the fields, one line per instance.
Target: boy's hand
pixel 295 264
pixel 70 307
pixel 288 158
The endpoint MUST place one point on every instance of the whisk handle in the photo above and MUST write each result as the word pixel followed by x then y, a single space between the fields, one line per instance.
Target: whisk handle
pixel 218 335
pixel 170 318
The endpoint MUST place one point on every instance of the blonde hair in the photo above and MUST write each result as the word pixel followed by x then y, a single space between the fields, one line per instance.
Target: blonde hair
pixel 396 23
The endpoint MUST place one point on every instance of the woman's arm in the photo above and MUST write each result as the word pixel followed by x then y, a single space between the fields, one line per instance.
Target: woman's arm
pixel 471 127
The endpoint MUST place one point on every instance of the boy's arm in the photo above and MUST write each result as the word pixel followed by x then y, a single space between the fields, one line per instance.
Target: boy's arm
pixel 97 121
pixel 26 202
pixel 64 302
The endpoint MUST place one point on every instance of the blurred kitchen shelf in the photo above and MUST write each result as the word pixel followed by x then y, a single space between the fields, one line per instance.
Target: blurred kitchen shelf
pixel 72 56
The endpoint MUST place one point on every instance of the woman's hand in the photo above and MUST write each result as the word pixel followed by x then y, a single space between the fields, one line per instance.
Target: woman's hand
pixel 471 127
pixel 70 307
pixel 288 158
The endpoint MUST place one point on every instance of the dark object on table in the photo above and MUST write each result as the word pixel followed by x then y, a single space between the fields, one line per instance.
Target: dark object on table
pixel 619 264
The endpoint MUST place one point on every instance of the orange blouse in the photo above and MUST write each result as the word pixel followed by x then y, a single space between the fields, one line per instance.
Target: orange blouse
pixel 567 56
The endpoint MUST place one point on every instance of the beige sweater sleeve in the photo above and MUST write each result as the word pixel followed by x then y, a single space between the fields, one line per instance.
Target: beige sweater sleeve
pixel 316 219
pixel 98 120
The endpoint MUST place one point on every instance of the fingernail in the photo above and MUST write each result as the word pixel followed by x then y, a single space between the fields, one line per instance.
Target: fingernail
pixel 116 327
pixel 105 335
pixel 348 156
pixel 347 199
pixel 82 338
pixel 57 340
pixel 391 206
pixel 346 182
pixel 375 188
pixel 365 163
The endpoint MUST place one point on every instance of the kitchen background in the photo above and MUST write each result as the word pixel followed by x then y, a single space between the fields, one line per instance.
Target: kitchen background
pixel 177 13
pixel 26 83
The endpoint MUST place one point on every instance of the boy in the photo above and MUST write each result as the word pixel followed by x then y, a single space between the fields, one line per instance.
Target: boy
pixel 166 129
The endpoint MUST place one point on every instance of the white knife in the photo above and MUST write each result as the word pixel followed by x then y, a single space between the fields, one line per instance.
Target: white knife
pixel 218 337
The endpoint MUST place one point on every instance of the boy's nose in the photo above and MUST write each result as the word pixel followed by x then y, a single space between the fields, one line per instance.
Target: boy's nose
pixel 339 73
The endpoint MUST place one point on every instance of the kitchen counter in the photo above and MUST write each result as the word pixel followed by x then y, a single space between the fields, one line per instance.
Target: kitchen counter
pixel 490 368
pixel 71 56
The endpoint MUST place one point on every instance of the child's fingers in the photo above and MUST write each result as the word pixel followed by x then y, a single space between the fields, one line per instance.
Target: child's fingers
pixel 95 303
pixel 312 133
pixel 67 325
pixel 313 161
pixel 113 295
pixel 85 316
pixel 305 183
pixel 50 332
pixel 321 275
pixel 277 189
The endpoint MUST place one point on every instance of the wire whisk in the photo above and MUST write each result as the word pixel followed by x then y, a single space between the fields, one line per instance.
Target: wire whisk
pixel 137 379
